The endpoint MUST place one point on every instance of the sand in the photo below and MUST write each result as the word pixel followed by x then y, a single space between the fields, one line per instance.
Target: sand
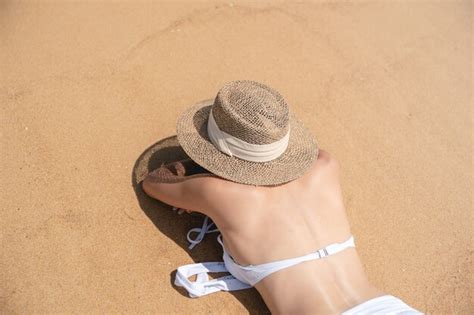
pixel 86 88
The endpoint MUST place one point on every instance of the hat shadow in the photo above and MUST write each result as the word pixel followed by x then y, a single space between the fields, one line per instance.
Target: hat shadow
pixel 176 226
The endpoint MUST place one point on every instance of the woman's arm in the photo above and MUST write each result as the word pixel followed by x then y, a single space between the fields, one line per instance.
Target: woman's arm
pixel 169 184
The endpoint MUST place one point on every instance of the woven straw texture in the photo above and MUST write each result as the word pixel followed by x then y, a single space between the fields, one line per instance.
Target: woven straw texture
pixel 251 111
pixel 254 113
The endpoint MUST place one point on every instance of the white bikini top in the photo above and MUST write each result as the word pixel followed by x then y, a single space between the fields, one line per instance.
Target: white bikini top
pixel 241 277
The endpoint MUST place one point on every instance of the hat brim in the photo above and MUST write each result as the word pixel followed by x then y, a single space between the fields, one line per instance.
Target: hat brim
pixel 192 135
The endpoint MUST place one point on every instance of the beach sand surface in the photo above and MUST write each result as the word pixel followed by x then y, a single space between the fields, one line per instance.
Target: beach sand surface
pixel 87 87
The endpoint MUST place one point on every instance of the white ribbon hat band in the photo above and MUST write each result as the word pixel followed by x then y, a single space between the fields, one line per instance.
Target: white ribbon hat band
pixel 233 146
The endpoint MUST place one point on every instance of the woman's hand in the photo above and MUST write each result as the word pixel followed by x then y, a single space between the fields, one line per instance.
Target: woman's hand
pixel 174 172
pixel 169 172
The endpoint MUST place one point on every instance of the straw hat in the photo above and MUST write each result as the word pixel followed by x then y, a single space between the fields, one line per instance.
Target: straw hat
pixel 247 135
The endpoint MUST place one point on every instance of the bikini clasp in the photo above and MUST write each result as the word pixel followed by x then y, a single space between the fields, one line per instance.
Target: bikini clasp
pixel 322 252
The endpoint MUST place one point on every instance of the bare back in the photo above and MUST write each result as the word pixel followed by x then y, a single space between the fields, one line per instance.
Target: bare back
pixel 261 224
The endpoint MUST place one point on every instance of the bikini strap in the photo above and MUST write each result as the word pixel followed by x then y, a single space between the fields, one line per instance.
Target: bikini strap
pixel 336 247
pixel 323 252
pixel 320 253
pixel 203 230
pixel 219 239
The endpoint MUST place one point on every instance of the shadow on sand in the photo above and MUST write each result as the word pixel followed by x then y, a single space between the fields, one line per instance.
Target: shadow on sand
pixel 176 226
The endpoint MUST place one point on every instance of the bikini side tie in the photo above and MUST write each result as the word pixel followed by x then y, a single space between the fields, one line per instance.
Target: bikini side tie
pixel 202 232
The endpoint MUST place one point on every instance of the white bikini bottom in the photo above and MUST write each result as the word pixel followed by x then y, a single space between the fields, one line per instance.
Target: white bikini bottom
pixel 386 305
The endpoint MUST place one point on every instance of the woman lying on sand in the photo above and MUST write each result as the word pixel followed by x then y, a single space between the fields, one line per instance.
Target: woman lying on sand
pixel 276 200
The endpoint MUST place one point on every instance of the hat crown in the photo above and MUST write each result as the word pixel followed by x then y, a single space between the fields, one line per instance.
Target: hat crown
pixel 251 111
